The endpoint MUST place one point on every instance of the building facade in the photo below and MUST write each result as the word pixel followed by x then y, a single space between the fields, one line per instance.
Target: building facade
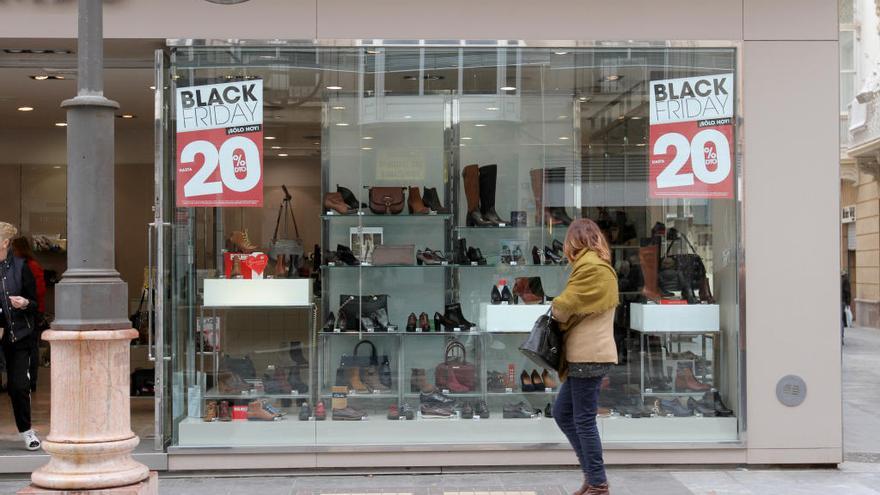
pixel 403 162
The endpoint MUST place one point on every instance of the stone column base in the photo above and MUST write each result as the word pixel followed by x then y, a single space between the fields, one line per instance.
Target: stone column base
pixel 150 486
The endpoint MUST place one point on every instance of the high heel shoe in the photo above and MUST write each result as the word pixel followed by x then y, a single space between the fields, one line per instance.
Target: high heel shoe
pixel 552 258
pixel 526 382
pixel 506 296
pixel 558 248
pixel 536 256
pixel 548 380
pixel 424 324
pixel 537 383
pixel 518 256
pixel 331 323
pixel 367 324
pixel 411 322
pixel 495 295
pixel 505 254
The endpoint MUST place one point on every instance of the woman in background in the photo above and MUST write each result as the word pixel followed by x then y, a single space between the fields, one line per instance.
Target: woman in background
pixel 21 248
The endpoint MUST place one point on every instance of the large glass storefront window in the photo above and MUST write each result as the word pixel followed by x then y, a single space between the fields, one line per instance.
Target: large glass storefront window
pixel 431 189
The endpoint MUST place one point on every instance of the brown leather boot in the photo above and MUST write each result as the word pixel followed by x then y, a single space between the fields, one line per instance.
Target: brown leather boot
pixel 371 380
pixel 685 380
pixel 210 411
pixel 239 242
pixel 537 176
pixel 471 180
pixel 354 380
pixel 597 489
pixel 649 259
pixel 230 383
pixel 416 205
pixel 335 202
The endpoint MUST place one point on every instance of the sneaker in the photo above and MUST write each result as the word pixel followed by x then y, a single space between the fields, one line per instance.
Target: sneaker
pixel 272 409
pixel 305 412
pixel 467 411
pixel 436 411
pixel 31 442
pixel 407 411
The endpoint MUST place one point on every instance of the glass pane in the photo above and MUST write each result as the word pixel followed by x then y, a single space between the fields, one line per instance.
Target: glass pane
pixel 846 11
pixel 847 56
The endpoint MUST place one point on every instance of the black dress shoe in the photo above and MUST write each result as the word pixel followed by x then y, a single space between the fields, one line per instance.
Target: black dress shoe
pixel 331 323
pixel 701 408
pixel 435 398
pixel 548 411
pixel 476 219
pixel 506 295
pixel 536 255
pixel 520 410
pixel 411 322
pixel 475 256
pixel 526 382
pixel 345 255
pixel 453 313
pixel 495 296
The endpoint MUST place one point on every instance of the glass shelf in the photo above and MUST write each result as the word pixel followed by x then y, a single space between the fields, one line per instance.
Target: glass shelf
pixel 323 267
pixel 216 396
pixel 533 228
pixel 372 216
pixel 351 395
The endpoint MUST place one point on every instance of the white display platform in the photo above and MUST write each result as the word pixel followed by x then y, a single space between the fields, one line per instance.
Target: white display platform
pixel 281 292
pixel 377 430
pixel 675 318
pixel 510 318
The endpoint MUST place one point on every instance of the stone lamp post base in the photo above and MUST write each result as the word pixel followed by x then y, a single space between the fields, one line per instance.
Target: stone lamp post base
pixel 91 439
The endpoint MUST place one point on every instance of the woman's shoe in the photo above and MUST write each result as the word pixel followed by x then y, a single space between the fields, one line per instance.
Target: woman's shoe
pixel 424 323
pixel 454 385
pixel 506 295
pixel 320 411
pixel 495 296
pixel 354 380
pixel 548 380
pixel 442 323
pixel 475 256
pixel 505 254
pixel 305 412
pixel 536 256
pixel 453 313
pixel 551 257
pixel 537 383
pixel 225 413
pixel 411 322
pixel 526 382
pixel 380 318
pixel 367 324
pixel 415 203
pixel 331 323
pixel 348 197
pixel 210 411
pixel 558 248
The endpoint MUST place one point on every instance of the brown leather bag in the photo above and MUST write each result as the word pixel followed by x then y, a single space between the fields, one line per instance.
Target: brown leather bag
pixel 455 363
pixel 395 255
pixel 386 200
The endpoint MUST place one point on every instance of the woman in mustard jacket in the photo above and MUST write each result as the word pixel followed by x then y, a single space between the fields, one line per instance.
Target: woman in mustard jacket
pixel 585 312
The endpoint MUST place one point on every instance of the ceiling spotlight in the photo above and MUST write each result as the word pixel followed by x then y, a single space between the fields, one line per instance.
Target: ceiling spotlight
pixel 564 138
pixel 342 124
pixel 334 88
pixel 560 53
pixel 407 116
pixel 25 109
pixel 338 107
pixel 269 138
pixel 41 77
pixel 276 147
pixel 372 52
pixel 317 143
pixel 636 118
pixel 60 124
pixel 561 117
pixel 508 88
pixel 56 167
pixel 126 116
pixel 153 88
pixel 282 155
pixel 366 148
pixel 491 109
pixel 479 125
pixel 466 138
pixel 367 137
pixel 612 77
pixel 640 144
pixel 583 98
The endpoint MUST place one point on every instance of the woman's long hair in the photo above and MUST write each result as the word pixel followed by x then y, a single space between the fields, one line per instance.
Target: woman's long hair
pixel 22 248
pixel 583 234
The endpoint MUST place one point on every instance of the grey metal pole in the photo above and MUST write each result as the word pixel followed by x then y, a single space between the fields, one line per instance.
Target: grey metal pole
pixel 90 442
pixel 91 295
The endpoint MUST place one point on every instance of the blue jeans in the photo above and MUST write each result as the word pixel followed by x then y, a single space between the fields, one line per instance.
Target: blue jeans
pixel 575 413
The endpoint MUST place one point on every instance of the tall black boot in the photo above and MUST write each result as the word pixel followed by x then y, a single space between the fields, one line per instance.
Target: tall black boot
pixel 471 180
pixel 488 183
pixel 460 256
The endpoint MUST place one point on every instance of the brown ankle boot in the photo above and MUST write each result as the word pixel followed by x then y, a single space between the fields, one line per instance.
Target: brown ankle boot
pixel 239 242
pixel 257 412
pixel 416 205
pixel 371 380
pixel 210 411
pixel 685 380
pixel 648 257
pixel 597 489
pixel 354 381
pixel 230 383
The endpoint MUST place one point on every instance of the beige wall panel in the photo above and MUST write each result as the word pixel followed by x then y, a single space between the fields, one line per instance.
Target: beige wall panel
pixel 868 190
pixel 868 208
pixel 529 20
pixel 775 19
pixel 848 194
pixel 869 225
pixel 33 146
pixel 780 78
pixel 265 19
pixel 867 258
pixel 867 242
pixel 868 275
pixel 867 292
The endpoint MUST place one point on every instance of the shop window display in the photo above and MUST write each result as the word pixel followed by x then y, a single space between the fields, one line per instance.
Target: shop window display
pixel 448 177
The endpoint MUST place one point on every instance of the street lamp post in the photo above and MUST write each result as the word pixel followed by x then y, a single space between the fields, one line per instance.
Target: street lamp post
pixel 90 439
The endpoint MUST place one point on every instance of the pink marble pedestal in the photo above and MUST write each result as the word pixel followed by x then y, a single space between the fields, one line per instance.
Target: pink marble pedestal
pixel 148 487
pixel 90 441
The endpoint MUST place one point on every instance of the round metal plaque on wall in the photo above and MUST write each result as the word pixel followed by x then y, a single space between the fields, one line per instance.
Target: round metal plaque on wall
pixel 791 390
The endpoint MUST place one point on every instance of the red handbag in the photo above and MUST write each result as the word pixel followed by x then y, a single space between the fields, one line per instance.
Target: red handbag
pixel 455 372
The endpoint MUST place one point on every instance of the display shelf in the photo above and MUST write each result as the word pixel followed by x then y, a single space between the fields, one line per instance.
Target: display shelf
pixel 225 293
pixel 252 396
pixel 376 267
pixel 371 216
pixel 523 266
pixel 673 394
pixel 463 395
pixel 516 392
pixel 443 333
pixel 556 229
pixel 355 333
pixel 351 395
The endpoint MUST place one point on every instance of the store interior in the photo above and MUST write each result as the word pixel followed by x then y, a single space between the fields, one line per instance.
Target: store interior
pixel 555 134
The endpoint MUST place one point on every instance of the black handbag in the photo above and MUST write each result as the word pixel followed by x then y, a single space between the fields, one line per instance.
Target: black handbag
pixel 355 360
pixel 352 308
pixel 692 267
pixel 544 345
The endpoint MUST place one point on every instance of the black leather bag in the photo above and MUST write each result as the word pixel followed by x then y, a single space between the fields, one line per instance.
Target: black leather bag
pixel 352 308
pixel 544 345
pixel 691 266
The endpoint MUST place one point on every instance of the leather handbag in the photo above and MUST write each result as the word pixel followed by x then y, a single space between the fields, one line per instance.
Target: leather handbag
pixel 386 200
pixel 395 255
pixel 692 267
pixel 455 363
pixel 544 345
pixel 352 308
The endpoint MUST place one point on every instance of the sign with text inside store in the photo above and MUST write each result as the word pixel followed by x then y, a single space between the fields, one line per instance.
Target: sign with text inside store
pixel 220 145
pixel 691 137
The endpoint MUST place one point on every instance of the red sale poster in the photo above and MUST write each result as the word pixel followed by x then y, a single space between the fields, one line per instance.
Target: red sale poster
pixel 691 138
pixel 220 145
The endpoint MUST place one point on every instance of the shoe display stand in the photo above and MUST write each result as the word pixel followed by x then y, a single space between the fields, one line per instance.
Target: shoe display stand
pixel 700 321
